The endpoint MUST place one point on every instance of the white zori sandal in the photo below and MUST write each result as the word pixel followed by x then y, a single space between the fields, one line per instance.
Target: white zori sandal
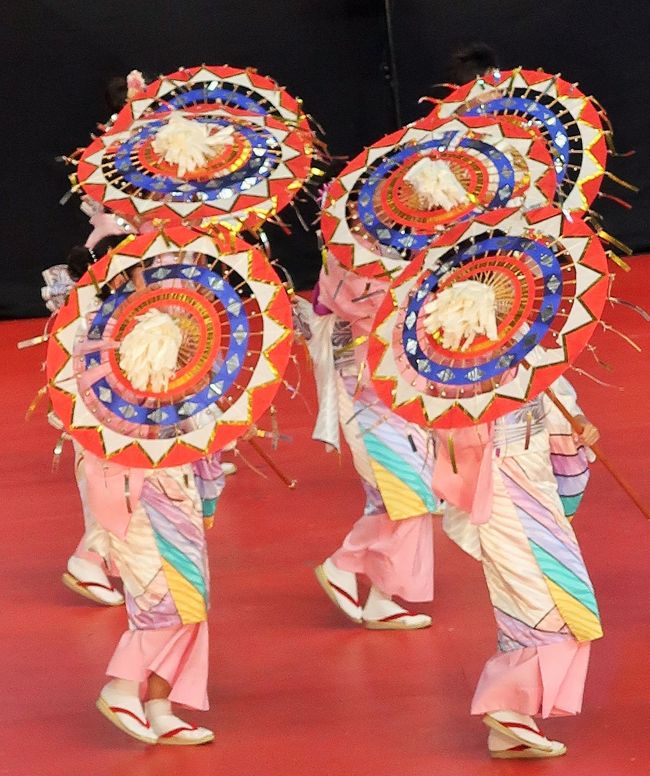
pixel 126 713
pixel 382 613
pixel 89 580
pixel 170 729
pixel 516 736
pixel 341 589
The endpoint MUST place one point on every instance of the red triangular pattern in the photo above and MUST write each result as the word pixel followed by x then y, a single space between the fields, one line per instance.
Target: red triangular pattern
pixel 328 224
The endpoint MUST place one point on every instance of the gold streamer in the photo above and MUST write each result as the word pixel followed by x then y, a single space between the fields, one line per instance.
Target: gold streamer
pixel 275 428
pixel 28 343
pixel 35 401
pixel 529 425
pixel 630 305
pixel 591 349
pixel 621 182
pixel 613 241
pixel 98 290
pixel 582 372
pixel 452 452
pixel 127 493
pixel 624 337
pixel 362 367
pixel 618 261
pixel 351 345
pixel 58 449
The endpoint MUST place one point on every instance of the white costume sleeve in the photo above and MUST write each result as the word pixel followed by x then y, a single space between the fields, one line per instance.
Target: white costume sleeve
pixel 319 343
pixel 566 393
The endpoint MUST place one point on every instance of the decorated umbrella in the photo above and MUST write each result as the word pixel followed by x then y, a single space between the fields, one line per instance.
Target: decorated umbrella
pixel 217 143
pixel 575 126
pixel 549 277
pixel 221 301
pixel 397 196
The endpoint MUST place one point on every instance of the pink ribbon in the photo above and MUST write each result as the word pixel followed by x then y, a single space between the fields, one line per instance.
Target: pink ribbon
pixel 470 486
pixel 113 492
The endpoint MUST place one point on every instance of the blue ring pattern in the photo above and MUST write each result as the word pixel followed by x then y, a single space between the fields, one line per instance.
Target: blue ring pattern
pixel 538 112
pixel 213 95
pixel 398 239
pixel 550 270
pixel 224 372
pixel 259 166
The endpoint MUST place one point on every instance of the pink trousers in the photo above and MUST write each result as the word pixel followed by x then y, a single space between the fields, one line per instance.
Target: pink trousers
pixel 178 654
pixel 548 679
pixel 395 555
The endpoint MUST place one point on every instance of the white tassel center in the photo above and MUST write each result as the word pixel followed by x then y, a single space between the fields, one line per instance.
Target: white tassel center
pixel 436 185
pixel 149 352
pixel 462 312
pixel 189 143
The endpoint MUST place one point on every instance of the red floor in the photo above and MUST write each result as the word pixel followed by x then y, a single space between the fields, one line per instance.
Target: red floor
pixel 294 688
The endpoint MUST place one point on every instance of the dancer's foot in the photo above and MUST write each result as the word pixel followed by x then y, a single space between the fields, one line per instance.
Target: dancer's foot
pixel 382 613
pixel 341 588
pixel 172 730
pixel 520 730
pixel 505 748
pixel 125 711
pixel 89 580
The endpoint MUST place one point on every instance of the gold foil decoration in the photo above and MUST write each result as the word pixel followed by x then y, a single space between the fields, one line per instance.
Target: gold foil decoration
pixel 35 401
pixel 28 343
pixel 452 452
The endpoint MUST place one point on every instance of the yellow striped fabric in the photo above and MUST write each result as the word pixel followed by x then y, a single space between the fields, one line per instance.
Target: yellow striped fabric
pixel 584 624
pixel 401 501
pixel 189 602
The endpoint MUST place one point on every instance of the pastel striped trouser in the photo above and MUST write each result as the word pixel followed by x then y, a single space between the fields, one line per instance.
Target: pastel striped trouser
pixel 542 596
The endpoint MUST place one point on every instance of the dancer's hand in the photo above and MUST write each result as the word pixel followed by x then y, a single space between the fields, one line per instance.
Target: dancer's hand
pixel 589 435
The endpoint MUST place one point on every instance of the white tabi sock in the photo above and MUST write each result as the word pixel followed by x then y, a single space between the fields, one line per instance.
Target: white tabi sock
pixel 172 729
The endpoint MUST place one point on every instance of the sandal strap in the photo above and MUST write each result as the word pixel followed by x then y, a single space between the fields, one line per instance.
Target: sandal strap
pixel 397 616
pixel 110 588
pixel 128 712
pixel 174 731
pixel 523 727
pixel 343 592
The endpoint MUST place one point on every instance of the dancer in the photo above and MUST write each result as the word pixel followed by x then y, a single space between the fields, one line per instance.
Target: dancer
pixel 505 508
pixel 472 62
pixel 151 440
pixel 152 525
pixel 391 544
pixel 88 568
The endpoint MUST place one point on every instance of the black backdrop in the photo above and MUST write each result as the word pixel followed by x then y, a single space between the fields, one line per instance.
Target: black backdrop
pixel 60 53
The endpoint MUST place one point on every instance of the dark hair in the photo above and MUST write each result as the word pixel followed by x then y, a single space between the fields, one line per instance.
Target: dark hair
pixel 472 61
pixel 115 93
pixel 80 257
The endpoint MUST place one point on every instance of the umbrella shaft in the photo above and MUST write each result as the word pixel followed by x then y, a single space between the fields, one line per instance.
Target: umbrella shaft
pixel 595 448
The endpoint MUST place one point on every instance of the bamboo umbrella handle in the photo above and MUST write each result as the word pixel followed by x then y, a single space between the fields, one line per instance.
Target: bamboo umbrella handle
pixel 595 448
pixel 291 484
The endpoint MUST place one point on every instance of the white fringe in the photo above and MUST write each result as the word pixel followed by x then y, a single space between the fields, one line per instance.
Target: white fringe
pixel 461 312
pixel 149 352
pixel 436 185
pixel 189 143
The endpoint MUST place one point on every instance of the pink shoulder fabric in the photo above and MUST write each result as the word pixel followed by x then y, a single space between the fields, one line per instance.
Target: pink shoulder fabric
pixel 468 484
pixel 113 492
